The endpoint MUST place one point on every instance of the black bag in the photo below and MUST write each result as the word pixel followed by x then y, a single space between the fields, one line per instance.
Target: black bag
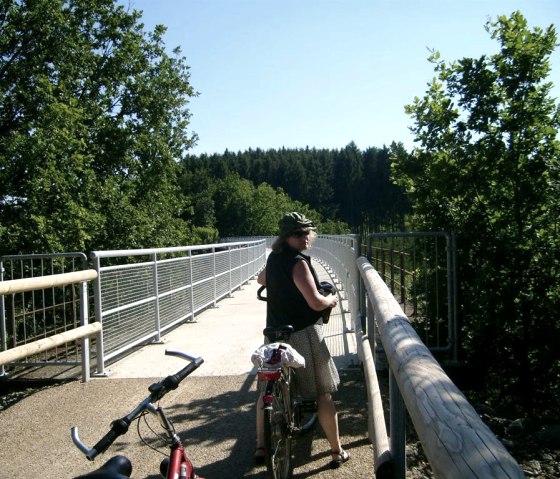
pixel 326 289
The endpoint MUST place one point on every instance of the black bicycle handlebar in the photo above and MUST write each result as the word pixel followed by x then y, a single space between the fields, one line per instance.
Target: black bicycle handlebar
pixel 259 293
pixel 157 391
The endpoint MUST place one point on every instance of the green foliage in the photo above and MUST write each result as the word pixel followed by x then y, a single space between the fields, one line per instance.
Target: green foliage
pixel 92 118
pixel 487 166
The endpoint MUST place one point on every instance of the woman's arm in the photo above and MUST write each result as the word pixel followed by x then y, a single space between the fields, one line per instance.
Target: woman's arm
pixel 304 281
pixel 261 278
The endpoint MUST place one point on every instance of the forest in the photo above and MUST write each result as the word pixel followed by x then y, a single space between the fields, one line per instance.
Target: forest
pixel 347 190
pixel 94 154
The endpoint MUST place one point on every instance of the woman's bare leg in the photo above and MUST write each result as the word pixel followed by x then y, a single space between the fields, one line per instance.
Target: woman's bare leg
pixel 328 418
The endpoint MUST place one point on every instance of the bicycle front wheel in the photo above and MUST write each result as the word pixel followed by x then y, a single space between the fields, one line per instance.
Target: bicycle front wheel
pixel 277 437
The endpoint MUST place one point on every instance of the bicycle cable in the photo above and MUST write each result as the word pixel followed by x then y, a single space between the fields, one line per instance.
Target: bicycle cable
pixel 160 437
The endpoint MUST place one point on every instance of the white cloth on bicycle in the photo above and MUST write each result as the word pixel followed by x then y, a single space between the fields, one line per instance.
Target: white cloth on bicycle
pixel 289 356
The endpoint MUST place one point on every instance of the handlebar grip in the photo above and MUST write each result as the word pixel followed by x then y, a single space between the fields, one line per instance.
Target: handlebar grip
pixel 173 380
pixel 118 428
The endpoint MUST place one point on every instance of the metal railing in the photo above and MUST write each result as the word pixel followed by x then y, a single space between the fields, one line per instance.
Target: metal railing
pixel 419 269
pixel 141 294
pixel 456 441
pixel 75 338
pixel 27 316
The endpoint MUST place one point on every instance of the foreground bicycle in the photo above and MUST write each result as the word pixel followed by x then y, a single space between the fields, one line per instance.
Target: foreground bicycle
pixel 286 414
pixel 177 464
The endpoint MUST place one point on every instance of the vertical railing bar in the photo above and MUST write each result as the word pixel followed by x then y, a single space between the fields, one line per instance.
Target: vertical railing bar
pixel 191 282
pixel 100 345
pixel 214 279
pixel 425 266
pixel 397 428
pixel 438 343
pixel 155 281
pixel 3 328
pixel 402 275
pixel 414 286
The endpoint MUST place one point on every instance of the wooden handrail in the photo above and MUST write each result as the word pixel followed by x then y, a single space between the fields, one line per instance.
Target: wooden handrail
pixel 82 332
pixel 456 441
pixel 42 282
pixel 45 344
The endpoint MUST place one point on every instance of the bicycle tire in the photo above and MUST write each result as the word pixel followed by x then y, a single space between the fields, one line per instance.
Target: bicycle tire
pixel 304 421
pixel 277 435
pixel 304 411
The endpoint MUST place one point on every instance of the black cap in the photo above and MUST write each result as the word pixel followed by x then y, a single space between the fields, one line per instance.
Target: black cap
pixel 293 221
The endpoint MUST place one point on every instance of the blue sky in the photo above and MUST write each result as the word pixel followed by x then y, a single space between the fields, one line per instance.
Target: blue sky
pixel 321 73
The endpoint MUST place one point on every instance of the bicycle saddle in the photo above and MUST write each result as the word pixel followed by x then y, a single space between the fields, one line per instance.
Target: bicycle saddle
pixel 275 331
pixel 118 467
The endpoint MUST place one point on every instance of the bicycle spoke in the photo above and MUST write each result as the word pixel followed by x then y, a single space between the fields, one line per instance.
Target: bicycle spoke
pixel 278 438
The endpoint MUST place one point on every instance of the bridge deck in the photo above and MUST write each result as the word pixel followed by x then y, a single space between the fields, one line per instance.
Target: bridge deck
pixel 213 411
pixel 226 336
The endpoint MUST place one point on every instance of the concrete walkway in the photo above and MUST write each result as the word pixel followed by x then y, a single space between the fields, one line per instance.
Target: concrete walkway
pixel 213 410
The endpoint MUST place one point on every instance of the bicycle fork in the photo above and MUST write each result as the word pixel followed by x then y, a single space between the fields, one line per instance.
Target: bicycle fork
pixel 177 465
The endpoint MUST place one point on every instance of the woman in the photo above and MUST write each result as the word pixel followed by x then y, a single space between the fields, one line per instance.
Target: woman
pixel 293 298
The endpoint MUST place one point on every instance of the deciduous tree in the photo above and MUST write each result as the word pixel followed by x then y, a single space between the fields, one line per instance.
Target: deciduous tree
pixel 93 115
pixel 487 166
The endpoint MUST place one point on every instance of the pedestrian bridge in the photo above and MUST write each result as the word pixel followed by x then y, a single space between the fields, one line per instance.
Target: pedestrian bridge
pixel 225 328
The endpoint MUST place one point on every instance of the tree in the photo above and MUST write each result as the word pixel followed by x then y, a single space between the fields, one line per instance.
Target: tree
pixel 487 166
pixel 93 115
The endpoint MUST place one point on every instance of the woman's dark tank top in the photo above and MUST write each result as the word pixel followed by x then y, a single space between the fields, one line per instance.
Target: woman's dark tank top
pixel 285 303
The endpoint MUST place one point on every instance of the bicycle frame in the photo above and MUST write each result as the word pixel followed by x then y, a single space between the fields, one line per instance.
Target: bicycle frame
pixel 177 465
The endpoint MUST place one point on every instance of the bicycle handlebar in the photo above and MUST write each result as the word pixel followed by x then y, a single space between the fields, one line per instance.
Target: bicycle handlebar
pixel 157 391
pixel 259 293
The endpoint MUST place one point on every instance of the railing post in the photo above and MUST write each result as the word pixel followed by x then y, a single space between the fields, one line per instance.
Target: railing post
pixel 84 315
pixel 214 304
pixel 191 282
pixel 3 334
pixel 98 315
pixel 155 281
pixel 452 292
pixel 397 428
pixel 402 279
pixel 229 259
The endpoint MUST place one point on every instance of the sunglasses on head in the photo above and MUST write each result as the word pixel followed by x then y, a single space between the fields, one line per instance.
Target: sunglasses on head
pixel 299 234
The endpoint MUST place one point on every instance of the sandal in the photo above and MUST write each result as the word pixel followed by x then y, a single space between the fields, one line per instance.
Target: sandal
pixel 259 456
pixel 339 458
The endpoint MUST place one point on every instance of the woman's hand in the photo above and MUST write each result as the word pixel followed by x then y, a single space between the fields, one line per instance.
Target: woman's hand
pixel 304 281
pixel 261 278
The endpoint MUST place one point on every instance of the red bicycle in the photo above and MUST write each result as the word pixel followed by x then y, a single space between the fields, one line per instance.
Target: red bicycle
pixel 287 415
pixel 177 464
